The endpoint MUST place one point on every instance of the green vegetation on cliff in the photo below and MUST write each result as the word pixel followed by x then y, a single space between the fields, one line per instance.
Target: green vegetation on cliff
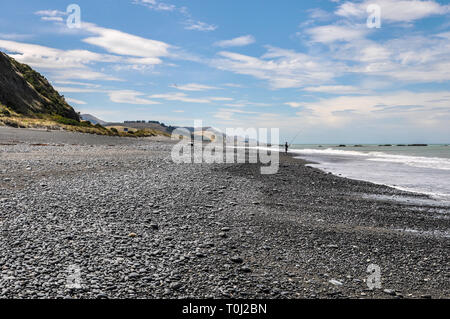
pixel 28 93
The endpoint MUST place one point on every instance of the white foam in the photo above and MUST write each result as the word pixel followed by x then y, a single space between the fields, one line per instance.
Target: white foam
pixel 328 151
pixel 415 161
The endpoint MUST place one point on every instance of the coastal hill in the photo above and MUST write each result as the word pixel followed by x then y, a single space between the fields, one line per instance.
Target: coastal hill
pixel 91 118
pixel 28 100
pixel 141 125
pixel 27 93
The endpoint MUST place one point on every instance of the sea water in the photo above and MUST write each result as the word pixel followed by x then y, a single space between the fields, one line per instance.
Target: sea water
pixel 420 169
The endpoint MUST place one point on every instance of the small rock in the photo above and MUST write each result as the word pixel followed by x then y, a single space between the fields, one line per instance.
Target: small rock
pixel 389 292
pixel 132 235
pixel 237 259
pixel 133 275
pixel 175 285
pixel 245 269
pixel 333 293
pixel 335 282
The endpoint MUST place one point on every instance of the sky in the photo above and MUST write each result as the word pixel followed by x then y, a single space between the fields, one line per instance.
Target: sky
pixel 325 69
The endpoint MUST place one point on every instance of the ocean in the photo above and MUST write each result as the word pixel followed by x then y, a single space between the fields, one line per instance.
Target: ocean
pixel 420 169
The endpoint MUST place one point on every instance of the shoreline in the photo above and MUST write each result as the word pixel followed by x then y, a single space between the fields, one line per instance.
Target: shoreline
pixel 430 196
pixel 410 172
pixel 140 226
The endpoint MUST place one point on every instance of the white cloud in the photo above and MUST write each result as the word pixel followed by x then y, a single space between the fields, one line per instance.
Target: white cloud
pixel 409 59
pixel 336 89
pixel 316 15
pixel 189 22
pixel 50 58
pixel 194 87
pixel 136 52
pixel 319 14
pixel 181 97
pixel 131 52
pixel 67 89
pixel 75 101
pixel 133 67
pixel 156 5
pixel 85 84
pixel 294 104
pixel 236 104
pixel 445 35
pixel 129 97
pixel 394 10
pixel 332 33
pixel 14 36
pixel 227 114
pixel 128 51
pixel 416 106
pixel 57 19
pixel 244 103
pixel 236 42
pixel 402 116
pixel 65 64
pixel 418 59
pixel 82 74
pixel 136 49
pixel 147 51
pixel 50 13
pixel 219 98
pixel 234 85
pixel 282 68
pixel 199 26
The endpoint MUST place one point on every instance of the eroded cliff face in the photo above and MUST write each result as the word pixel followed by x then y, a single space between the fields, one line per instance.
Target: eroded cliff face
pixel 26 92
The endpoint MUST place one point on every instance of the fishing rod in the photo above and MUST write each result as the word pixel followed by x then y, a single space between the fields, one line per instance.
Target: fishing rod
pixel 294 138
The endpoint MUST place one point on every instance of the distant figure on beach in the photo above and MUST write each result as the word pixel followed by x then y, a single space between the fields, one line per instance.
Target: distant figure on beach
pixel 286 147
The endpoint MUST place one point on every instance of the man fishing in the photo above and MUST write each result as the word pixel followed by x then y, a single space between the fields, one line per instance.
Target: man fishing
pixel 286 147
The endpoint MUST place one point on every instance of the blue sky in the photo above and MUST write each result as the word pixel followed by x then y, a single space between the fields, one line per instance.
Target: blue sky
pixel 313 66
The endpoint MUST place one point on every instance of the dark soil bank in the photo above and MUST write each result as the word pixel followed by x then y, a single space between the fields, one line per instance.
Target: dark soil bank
pixel 136 225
